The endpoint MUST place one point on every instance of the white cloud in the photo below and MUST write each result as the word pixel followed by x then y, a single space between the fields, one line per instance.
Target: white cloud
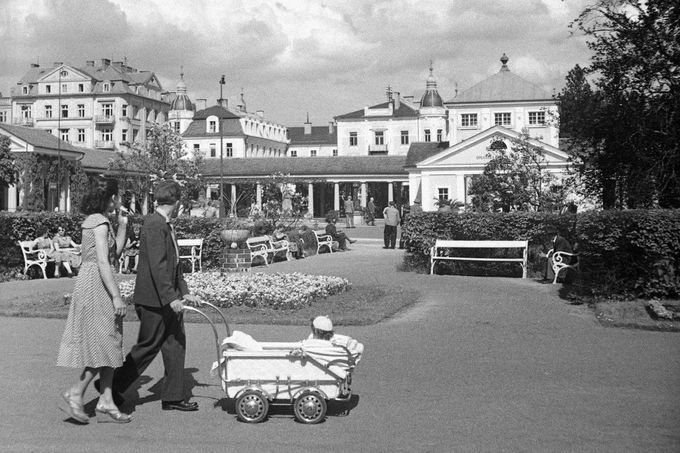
pixel 292 56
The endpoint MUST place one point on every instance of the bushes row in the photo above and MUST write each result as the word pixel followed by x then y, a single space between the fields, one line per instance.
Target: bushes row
pixel 24 226
pixel 630 253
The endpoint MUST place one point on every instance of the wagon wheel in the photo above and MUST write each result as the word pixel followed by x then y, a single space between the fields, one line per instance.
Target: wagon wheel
pixel 252 407
pixel 309 407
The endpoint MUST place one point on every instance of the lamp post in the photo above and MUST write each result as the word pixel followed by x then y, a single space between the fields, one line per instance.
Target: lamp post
pixel 222 210
pixel 59 144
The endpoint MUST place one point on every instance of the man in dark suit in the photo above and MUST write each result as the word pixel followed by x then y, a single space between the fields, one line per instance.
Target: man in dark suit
pixel 160 291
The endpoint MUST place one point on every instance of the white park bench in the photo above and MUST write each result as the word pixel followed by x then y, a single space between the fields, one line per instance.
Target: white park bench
pixel 445 251
pixel 264 246
pixel 192 250
pixel 563 260
pixel 33 257
pixel 324 239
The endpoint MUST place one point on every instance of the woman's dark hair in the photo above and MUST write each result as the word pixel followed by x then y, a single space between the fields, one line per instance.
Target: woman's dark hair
pixel 97 199
pixel 167 192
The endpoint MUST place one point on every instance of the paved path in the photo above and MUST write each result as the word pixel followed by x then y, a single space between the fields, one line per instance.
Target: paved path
pixel 478 364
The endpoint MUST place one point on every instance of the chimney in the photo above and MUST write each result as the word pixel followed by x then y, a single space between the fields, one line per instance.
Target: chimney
pixel 260 113
pixel 105 63
pixel 35 65
pixel 308 126
pixel 58 63
pixel 118 65
pixel 331 127
pixel 89 63
pixel 203 102
pixel 397 100
pixel 223 102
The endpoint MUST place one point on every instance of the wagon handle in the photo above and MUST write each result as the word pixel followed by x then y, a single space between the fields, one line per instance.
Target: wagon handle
pixel 217 339
pixel 226 324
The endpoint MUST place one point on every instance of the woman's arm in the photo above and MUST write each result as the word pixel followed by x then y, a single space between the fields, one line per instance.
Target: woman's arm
pixel 101 236
pixel 121 233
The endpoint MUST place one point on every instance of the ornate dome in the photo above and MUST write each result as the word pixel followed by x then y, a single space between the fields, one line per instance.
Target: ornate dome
pixel 181 101
pixel 431 97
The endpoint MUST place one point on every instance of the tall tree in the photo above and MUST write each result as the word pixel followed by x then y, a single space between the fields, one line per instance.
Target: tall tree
pixel 161 156
pixel 629 154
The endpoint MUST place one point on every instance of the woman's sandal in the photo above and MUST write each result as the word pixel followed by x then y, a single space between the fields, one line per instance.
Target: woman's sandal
pixel 74 409
pixel 111 416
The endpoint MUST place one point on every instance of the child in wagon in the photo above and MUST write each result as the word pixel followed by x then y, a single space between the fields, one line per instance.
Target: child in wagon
pixel 322 333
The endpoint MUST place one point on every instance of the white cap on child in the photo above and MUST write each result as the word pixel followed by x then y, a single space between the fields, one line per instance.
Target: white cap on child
pixel 323 323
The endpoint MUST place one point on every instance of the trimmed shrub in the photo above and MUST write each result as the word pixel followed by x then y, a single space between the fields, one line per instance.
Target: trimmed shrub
pixel 22 226
pixel 628 253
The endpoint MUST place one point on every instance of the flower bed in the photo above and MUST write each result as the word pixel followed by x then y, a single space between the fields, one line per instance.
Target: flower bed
pixel 277 291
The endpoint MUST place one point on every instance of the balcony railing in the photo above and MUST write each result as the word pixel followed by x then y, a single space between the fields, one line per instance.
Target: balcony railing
pixel 377 150
pixel 104 119
pixel 102 144
pixel 23 121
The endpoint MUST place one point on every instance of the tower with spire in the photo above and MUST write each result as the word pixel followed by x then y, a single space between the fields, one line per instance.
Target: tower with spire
pixel 181 108
pixel 434 124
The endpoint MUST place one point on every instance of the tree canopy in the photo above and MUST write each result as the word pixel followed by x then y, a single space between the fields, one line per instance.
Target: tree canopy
pixel 623 128
pixel 516 178
pixel 160 157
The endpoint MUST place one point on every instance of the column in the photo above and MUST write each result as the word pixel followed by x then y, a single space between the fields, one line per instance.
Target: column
pixel 336 196
pixel 460 188
pixel 68 198
pixel 207 192
pixel 62 196
pixel 145 204
pixel 390 191
pixel 233 200
pixel 310 199
pixel 133 203
pixel 258 195
pixel 364 192
pixel 12 198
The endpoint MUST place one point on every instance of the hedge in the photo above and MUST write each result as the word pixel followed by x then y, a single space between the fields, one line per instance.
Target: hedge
pixel 24 226
pixel 631 253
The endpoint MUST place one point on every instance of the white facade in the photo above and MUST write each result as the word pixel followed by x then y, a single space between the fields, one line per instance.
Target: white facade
pixel 107 107
pixel 448 172
pixel 468 120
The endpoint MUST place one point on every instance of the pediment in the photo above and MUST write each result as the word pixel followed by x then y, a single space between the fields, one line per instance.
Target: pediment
pixel 64 73
pixel 473 151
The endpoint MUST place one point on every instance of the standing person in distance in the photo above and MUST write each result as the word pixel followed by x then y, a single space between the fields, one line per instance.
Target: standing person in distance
pixel 93 337
pixel 160 290
pixel 370 212
pixel 349 211
pixel 392 218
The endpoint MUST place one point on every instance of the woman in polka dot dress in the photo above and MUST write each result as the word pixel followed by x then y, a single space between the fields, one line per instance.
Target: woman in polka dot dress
pixel 93 337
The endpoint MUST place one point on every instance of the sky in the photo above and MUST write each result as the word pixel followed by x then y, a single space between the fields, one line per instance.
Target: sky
pixel 293 57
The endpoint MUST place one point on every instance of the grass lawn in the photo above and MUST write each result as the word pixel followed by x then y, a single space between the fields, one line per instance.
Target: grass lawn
pixel 633 314
pixel 360 305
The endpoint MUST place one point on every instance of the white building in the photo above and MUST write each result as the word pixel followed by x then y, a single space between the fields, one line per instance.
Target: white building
pixel 106 106
pixel 499 107
pixel 313 141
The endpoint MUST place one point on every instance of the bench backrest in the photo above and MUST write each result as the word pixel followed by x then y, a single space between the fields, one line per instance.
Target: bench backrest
pixel 326 236
pixel 266 240
pixel 481 244
pixel 195 244
pixel 30 254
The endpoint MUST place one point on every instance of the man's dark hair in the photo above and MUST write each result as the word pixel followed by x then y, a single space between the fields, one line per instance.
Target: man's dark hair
pixel 168 192
pixel 97 199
